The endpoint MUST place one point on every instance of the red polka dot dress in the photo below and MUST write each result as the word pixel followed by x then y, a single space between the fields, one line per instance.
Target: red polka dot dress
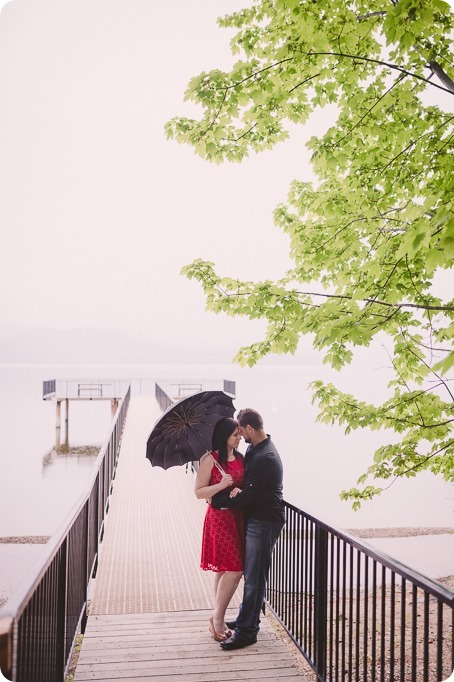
pixel 223 529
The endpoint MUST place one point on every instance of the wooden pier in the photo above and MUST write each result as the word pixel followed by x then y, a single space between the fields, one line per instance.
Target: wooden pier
pixel 63 390
pixel 148 617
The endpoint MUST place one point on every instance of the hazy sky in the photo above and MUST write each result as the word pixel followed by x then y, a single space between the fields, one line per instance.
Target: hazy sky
pixel 98 211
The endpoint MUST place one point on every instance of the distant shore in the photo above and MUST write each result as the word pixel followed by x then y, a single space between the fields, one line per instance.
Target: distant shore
pixel 398 532
pixel 364 533
pixel 24 539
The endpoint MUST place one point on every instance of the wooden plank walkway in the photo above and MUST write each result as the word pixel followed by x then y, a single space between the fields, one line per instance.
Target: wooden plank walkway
pixel 176 647
pixel 149 612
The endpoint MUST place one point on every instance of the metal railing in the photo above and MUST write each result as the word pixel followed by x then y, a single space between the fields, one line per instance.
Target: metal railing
pixel 40 621
pixel 182 388
pixel 230 387
pixel 356 613
pixel 90 388
pixel 49 388
pixel 163 399
pixel 84 387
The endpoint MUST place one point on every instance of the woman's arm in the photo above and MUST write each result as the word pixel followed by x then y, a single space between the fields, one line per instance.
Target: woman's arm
pixel 202 489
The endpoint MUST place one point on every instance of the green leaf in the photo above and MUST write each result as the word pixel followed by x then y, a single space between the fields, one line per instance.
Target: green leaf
pixel 371 236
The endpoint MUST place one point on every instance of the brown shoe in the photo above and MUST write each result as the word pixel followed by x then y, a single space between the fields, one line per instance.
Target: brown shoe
pixel 218 636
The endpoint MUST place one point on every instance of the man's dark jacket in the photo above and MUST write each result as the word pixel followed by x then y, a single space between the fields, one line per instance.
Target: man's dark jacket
pixel 261 496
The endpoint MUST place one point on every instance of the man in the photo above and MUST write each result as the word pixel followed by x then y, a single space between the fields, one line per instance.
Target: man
pixel 261 500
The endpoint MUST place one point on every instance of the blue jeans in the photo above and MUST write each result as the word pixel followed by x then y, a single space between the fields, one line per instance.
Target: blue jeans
pixel 261 536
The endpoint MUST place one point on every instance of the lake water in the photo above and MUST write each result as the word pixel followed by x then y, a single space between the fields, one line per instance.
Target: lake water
pixel 38 486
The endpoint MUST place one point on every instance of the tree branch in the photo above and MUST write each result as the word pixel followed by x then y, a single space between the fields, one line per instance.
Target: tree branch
pixel 370 109
pixel 422 360
pixel 371 14
pixel 303 82
pixel 234 85
pixel 413 142
pixel 442 75
pixel 381 63
pixel 424 461
pixel 418 306
pixel 257 73
pixel 202 134
pixel 397 306
pixel 237 139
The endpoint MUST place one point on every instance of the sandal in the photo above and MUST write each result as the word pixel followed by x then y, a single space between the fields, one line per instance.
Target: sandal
pixel 215 635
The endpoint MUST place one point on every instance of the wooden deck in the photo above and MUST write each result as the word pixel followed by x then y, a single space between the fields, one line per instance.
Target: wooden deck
pixel 149 612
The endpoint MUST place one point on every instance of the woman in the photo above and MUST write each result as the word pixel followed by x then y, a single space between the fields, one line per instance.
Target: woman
pixel 223 531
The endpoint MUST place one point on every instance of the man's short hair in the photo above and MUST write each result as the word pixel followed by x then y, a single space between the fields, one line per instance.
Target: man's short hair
pixel 250 417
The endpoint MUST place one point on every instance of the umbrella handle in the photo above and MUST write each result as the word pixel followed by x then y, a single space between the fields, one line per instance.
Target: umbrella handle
pixel 216 464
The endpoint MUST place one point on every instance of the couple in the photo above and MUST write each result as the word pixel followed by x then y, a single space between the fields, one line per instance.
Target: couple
pixel 238 488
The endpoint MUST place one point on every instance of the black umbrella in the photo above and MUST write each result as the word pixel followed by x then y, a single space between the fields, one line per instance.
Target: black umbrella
pixel 183 433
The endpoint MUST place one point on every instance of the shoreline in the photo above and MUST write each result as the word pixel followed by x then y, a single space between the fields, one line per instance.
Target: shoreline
pixel 24 539
pixel 363 533
pixel 403 532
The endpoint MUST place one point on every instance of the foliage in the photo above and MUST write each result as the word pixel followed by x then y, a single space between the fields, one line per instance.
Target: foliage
pixel 370 235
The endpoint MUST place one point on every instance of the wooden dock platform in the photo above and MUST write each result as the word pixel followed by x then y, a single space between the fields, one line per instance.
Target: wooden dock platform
pixel 151 602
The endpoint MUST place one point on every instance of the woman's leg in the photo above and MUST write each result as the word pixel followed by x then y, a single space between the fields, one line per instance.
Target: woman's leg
pixel 217 576
pixel 227 584
pixel 216 581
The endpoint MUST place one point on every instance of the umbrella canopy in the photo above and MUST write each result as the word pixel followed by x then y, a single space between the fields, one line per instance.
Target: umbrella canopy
pixel 183 433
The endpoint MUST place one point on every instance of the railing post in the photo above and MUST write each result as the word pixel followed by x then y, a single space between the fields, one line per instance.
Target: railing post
pixel 6 653
pixel 320 601
pixel 62 608
pixel 86 548
pixel 58 425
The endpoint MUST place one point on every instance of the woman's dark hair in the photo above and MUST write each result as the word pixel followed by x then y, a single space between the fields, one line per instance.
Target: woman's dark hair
pixel 222 432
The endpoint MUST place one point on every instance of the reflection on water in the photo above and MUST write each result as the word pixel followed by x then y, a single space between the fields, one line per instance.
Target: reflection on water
pixel 15 561
pixel 65 473
pixel 82 454
pixel 43 489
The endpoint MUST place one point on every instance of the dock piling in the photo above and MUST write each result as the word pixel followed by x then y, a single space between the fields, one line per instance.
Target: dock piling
pixel 58 425
pixel 114 405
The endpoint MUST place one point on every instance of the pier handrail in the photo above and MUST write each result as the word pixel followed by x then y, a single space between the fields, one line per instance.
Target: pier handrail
pixel 40 621
pixel 168 391
pixel 354 612
pixel 49 388
pixel 230 387
pixel 85 387
pixel 163 399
